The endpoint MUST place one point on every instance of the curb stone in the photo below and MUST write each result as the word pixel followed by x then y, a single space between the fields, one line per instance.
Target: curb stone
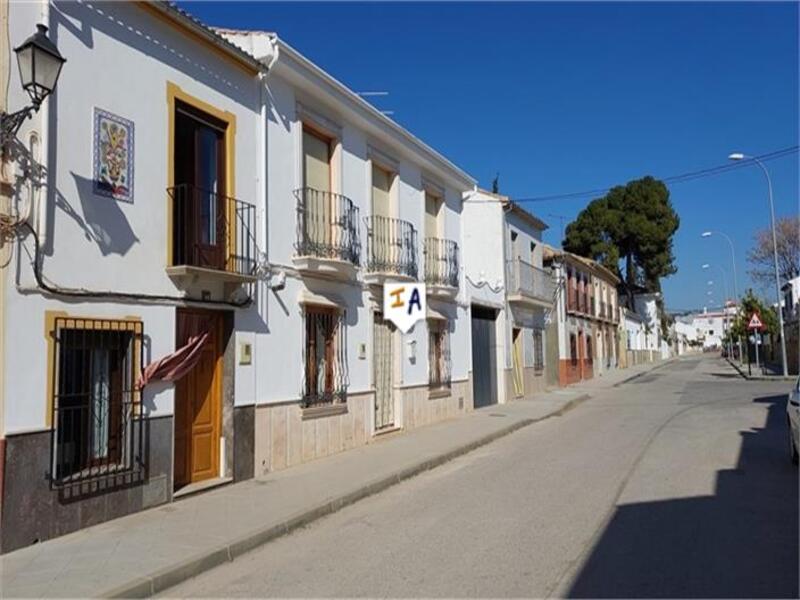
pixel 167 577
pixel 759 377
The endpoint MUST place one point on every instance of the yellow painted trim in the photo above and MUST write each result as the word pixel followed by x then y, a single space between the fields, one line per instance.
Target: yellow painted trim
pixel 198 39
pixel 174 94
pixel 50 317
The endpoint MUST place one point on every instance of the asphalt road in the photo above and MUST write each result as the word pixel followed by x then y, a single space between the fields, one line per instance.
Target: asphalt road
pixel 677 484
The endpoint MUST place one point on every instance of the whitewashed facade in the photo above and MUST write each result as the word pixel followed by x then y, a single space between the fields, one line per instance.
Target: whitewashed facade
pixel 421 203
pixel 510 292
pixel 208 240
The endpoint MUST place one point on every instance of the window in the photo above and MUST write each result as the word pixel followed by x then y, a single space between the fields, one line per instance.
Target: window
pixel 538 349
pixel 325 372
pixel 95 366
pixel 317 151
pixel 589 348
pixel 573 348
pixel 438 353
pixel 433 207
pixel 381 191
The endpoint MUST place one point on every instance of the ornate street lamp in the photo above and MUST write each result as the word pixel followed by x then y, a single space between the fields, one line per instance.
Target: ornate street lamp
pixel 39 64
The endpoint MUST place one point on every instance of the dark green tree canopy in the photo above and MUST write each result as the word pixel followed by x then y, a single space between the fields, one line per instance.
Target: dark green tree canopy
pixel 634 223
pixel 753 304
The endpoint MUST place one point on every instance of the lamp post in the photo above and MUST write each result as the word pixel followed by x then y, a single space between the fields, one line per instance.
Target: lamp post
pixel 709 233
pixel 39 63
pixel 740 156
pixel 725 321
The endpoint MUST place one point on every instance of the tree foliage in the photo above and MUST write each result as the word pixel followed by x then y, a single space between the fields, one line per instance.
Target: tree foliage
pixel 753 304
pixel 634 223
pixel 760 256
pixel 496 184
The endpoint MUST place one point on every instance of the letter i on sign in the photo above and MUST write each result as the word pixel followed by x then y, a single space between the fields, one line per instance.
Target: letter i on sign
pixel 404 304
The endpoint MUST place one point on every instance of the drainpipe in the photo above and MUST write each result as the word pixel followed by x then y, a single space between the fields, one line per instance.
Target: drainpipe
pixel 44 150
pixel 269 59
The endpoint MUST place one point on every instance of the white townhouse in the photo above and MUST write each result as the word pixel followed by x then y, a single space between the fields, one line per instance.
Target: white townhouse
pixel 352 200
pixel 193 245
pixel 510 294
pixel 131 226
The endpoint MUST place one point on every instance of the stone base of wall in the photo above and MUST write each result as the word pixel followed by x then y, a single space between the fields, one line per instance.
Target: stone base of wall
pixel 570 372
pixel 33 512
pixel 422 407
pixel 534 382
pixel 638 357
pixel 284 438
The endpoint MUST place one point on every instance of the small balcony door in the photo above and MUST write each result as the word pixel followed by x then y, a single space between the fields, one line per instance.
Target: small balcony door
pixel 386 245
pixel 200 208
pixel 317 173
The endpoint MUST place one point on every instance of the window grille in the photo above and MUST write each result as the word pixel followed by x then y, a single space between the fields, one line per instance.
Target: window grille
pixel 95 401
pixel 538 349
pixel 573 349
pixel 325 374
pixel 439 366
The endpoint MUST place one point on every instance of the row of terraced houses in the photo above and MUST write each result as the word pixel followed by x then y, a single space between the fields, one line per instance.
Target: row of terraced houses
pixel 196 227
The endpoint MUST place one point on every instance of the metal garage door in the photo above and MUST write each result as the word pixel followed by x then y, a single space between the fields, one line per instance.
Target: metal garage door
pixel 484 361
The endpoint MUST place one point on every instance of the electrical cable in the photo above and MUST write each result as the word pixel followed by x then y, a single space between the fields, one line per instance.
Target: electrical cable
pixel 683 177
pixel 83 293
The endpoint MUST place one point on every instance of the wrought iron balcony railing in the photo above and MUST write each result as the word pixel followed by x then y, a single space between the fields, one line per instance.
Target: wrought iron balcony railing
pixel 441 262
pixel 327 226
pixel 212 231
pixel 524 278
pixel 391 246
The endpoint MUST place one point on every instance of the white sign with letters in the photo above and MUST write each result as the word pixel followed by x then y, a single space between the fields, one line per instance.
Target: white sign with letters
pixel 404 304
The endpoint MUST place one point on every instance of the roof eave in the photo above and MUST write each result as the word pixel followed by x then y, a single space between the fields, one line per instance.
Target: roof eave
pixel 173 13
pixel 370 112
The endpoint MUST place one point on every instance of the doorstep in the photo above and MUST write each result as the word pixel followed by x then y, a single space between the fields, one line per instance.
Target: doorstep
pixel 200 486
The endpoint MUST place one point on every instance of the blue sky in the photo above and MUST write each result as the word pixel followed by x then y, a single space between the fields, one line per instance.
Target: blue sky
pixel 564 97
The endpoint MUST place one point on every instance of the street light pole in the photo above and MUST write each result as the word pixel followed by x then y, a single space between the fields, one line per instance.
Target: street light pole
pixel 725 321
pixel 706 234
pixel 740 156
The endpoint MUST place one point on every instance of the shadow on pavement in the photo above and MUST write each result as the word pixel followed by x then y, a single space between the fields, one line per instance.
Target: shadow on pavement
pixel 742 542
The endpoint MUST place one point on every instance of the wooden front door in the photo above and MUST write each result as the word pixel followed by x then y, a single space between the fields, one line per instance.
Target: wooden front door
pixel 198 401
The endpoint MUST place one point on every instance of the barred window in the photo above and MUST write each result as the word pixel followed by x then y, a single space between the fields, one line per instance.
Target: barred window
pixel 538 349
pixel 438 353
pixel 95 364
pixel 573 348
pixel 325 370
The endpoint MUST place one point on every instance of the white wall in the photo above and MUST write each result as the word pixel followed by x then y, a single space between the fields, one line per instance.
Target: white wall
pixel 279 378
pixel 119 60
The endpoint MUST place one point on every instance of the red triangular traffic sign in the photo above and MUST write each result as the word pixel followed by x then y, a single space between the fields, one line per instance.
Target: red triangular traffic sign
pixel 755 322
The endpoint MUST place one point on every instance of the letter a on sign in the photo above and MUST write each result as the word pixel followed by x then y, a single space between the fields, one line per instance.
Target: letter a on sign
pixel 404 304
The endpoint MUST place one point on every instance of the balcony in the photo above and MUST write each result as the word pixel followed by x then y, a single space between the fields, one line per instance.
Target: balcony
pixel 391 250
pixel 213 237
pixel 328 243
pixel 441 268
pixel 528 284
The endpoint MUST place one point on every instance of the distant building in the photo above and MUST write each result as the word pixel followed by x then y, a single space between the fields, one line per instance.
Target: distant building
pixel 586 316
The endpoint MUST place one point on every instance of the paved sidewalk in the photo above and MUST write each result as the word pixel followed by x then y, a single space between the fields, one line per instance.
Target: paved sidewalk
pixel 147 552
pixel 771 372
